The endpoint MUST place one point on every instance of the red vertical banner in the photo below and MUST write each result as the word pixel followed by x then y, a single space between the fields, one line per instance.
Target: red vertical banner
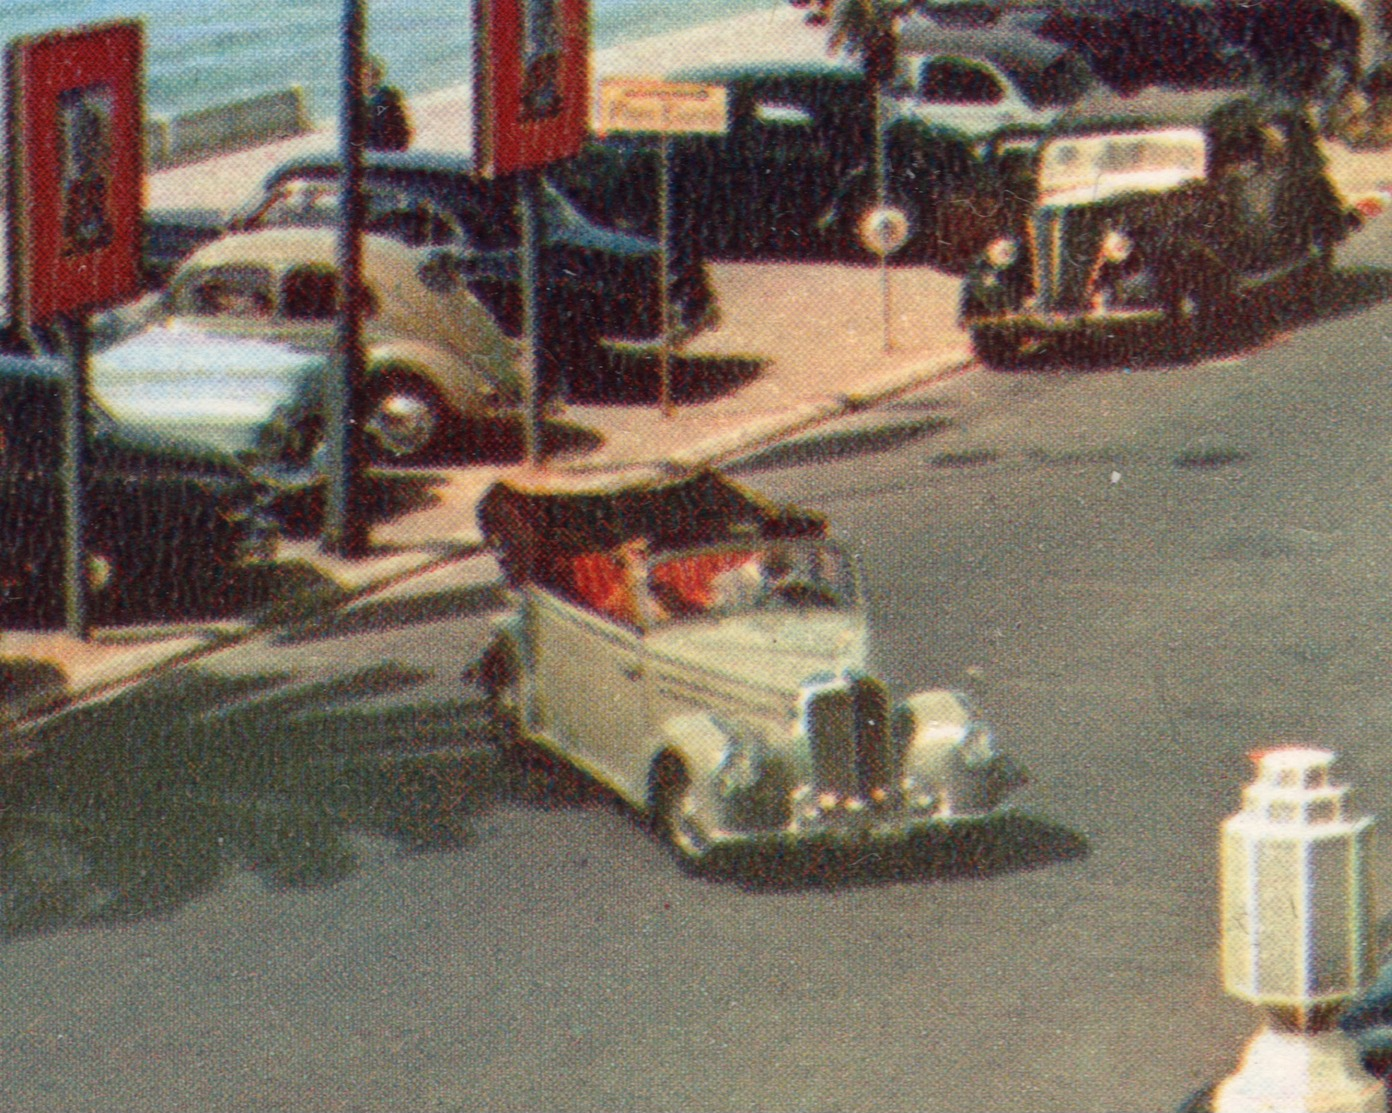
pixel 75 169
pixel 531 82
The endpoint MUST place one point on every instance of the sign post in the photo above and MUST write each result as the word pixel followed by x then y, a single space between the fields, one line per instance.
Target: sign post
pixel 884 229
pixel 74 135
pixel 531 108
pixel 345 532
pixel 647 106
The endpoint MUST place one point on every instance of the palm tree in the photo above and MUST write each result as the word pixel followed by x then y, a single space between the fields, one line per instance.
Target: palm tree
pixel 868 30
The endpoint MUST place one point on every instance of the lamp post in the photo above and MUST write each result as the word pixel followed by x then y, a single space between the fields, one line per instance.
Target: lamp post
pixel 1295 940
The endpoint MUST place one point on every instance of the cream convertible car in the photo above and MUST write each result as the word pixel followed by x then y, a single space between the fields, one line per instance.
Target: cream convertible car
pixel 705 655
pixel 432 356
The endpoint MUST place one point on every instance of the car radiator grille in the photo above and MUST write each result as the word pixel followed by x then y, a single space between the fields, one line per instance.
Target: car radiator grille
pixel 1065 244
pixel 848 731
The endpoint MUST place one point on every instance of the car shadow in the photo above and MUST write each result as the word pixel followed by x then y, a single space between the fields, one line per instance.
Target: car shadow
pixel 628 378
pixel 1006 842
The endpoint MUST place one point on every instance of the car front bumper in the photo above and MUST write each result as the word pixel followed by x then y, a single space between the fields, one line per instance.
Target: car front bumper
pixel 864 828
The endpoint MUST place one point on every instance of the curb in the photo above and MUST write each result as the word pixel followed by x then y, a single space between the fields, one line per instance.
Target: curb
pixel 744 442
pixel 729 448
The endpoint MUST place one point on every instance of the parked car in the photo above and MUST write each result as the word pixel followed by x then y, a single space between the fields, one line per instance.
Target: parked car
pixel 797 134
pixel 1163 210
pixel 795 173
pixel 977 84
pixel 434 356
pixel 596 285
pixel 1132 44
pixel 730 641
pixel 1307 50
pixel 170 517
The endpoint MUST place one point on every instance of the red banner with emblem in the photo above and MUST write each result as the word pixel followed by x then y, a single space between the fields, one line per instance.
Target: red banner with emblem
pixel 531 82
pixel 75 169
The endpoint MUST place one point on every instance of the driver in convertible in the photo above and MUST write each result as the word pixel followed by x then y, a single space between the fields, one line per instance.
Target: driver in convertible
pixel 753 582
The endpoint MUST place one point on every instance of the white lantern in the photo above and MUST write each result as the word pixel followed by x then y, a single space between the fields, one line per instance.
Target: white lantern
pixel 1295 888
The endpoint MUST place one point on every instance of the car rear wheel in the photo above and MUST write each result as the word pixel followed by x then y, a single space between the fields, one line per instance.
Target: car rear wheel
pixel 403 419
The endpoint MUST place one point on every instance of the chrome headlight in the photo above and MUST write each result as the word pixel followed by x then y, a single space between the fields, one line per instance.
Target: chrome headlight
pixel 979 748
pixel 740 766
pixel 1116 246
pixel 1000 253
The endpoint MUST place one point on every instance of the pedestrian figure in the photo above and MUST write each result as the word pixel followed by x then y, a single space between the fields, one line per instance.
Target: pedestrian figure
pixel 388 126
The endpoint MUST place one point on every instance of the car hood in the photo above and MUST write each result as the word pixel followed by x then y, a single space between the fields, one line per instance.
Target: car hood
pixel 180 387
pixel 774 650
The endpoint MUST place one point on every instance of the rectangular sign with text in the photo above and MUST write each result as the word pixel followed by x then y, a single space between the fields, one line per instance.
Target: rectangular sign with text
pixel 646 105
pixel 75 171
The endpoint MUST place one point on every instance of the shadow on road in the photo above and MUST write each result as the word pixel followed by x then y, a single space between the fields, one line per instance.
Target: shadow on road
pixel 825 445
pixel 379 614
pixel 134 806
pixel 1005 843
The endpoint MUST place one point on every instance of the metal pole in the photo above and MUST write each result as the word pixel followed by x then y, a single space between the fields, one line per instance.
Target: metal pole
pixel 882 192
pixel 76 589
pixel 664 280
pixel 530 251
pixel 345 533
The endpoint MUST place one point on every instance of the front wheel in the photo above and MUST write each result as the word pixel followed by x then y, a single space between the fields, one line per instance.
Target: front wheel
pixel 669 785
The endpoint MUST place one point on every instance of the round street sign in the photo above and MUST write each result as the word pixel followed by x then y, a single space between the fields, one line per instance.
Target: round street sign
pixel 884 229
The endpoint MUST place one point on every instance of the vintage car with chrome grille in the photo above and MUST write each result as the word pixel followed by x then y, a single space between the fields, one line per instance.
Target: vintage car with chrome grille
pixel 705 654
pixel 1162 208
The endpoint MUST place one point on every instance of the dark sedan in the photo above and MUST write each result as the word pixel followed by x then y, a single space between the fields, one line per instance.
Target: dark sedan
pixel 799 135
pixel 169 520
pixel 598 285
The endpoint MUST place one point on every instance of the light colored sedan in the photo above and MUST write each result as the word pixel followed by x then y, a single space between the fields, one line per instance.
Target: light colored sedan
pixel 433 356
pixel 705 655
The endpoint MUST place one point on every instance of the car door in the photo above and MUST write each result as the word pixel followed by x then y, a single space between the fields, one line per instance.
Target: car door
pixel 591 688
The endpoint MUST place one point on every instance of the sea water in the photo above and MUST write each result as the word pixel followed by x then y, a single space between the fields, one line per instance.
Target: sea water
pixel 200 53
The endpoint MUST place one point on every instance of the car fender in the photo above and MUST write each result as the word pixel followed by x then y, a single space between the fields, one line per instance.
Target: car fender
pixel 700 742
pixel 950 755
pixel 463 384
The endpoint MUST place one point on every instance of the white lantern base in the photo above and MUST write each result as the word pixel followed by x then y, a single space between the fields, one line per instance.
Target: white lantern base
pixel 1296 1072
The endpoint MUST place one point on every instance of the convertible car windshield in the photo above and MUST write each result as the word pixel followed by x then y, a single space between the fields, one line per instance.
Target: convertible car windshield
pixel 767 577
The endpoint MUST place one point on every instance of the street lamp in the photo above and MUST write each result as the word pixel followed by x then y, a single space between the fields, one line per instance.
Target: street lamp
pixel 1295 906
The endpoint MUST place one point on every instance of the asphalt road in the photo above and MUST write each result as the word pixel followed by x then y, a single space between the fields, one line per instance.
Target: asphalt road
pixel 292 877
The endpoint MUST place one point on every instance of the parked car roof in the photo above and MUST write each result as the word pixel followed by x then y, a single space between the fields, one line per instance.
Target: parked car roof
pixel 1158 107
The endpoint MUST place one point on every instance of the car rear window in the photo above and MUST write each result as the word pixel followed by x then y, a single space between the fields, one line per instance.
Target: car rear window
pixel 954 81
